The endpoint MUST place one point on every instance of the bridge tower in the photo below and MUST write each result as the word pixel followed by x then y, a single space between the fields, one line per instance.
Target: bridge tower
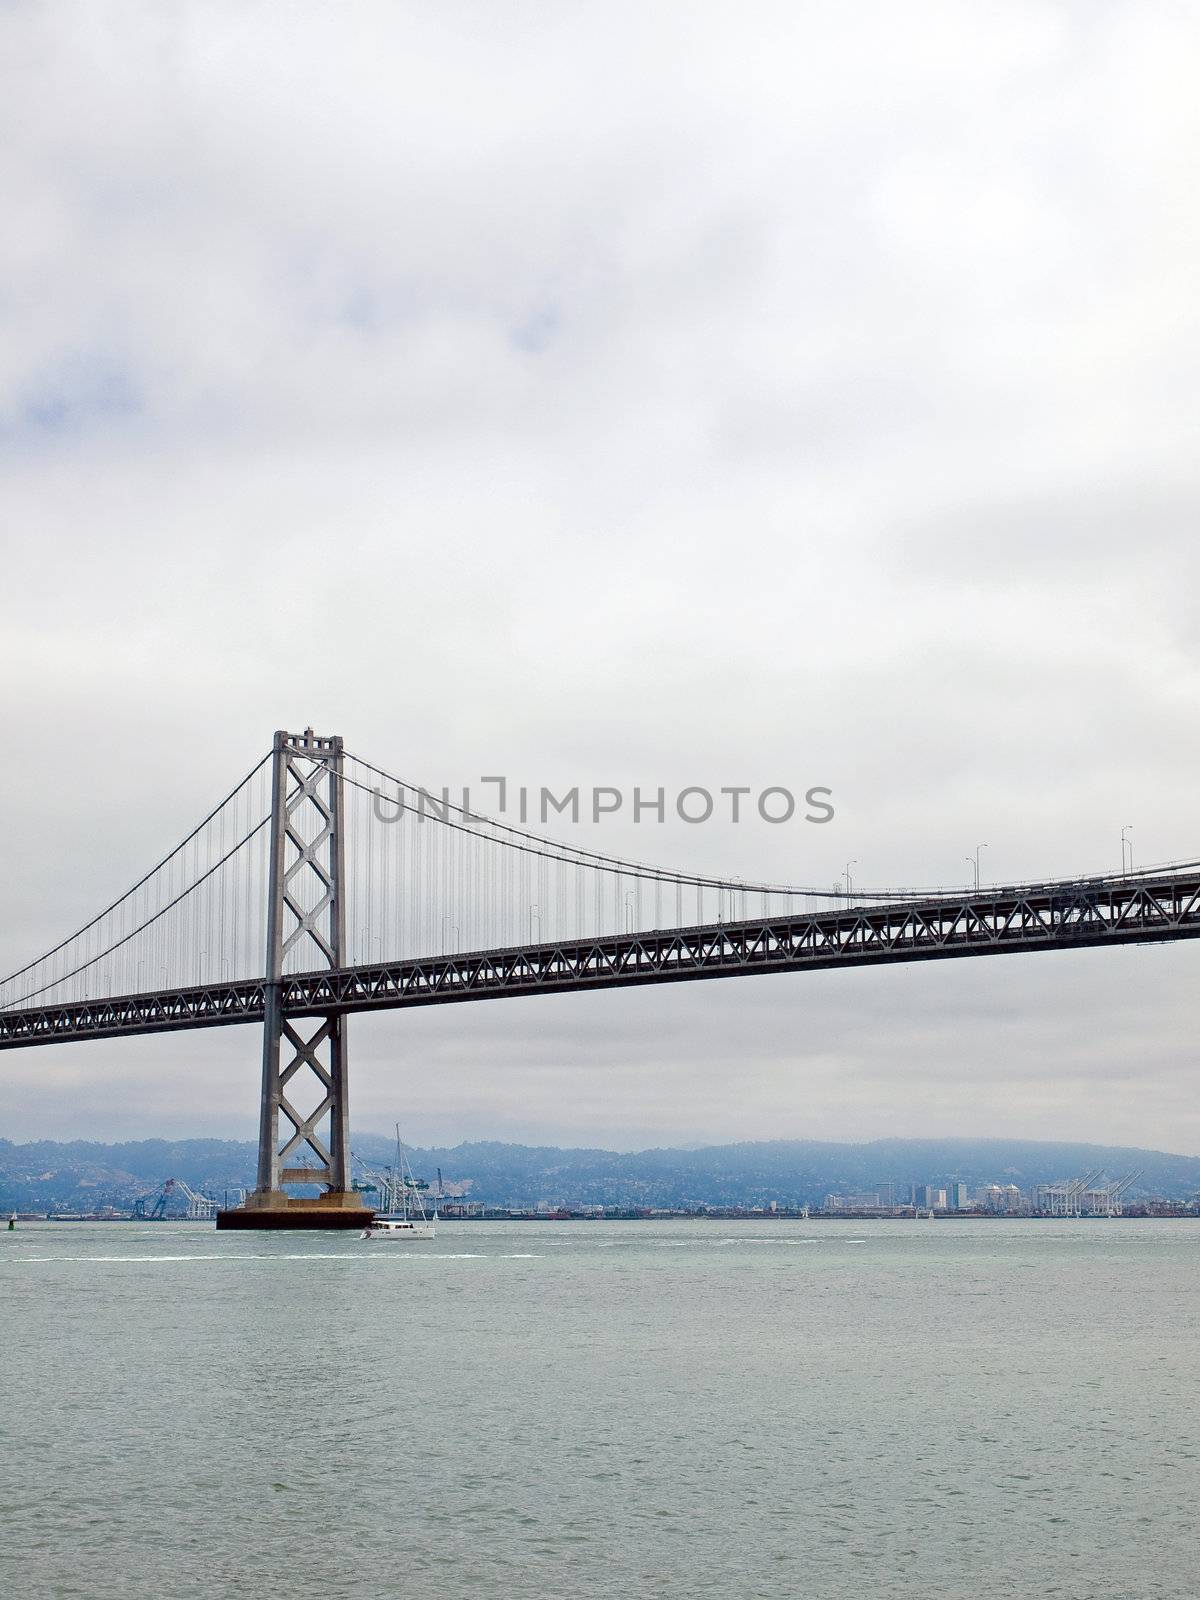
pixel 303 1061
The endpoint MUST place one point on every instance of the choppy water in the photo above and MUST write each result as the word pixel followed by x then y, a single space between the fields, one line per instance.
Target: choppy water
pixel 697 1409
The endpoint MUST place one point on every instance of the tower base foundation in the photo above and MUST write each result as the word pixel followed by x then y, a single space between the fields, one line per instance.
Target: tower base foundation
pixel 338 1209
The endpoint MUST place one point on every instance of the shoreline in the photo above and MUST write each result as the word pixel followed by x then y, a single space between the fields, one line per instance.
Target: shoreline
pixel 35 1219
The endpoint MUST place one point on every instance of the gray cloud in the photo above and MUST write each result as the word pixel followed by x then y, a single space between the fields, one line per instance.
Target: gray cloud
pixel 799 396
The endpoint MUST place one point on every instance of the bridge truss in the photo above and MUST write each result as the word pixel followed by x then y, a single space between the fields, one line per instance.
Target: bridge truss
pixel 1053 916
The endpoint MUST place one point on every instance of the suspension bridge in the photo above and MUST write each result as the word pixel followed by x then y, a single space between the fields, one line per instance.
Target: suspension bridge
pixel 324 885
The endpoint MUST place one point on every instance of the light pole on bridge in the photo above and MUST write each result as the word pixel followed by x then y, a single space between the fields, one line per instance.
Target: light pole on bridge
pixel 975 859
pixel 1126 843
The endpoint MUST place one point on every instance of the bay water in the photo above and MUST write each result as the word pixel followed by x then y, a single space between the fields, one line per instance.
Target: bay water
pixel 658 1408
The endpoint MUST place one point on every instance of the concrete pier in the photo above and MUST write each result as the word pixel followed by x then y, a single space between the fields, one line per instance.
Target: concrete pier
pixel 340 1208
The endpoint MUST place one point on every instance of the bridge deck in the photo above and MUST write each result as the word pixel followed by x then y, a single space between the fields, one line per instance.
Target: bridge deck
pixel 1059 916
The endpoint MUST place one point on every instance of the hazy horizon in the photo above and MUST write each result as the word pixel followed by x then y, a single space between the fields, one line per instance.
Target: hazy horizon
pixel 386 1135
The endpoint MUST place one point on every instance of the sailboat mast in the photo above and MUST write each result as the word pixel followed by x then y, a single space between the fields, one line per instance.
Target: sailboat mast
pixel 400 1175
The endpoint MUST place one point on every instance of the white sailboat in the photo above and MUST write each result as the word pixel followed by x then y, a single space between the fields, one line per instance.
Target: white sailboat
pixel 403 1215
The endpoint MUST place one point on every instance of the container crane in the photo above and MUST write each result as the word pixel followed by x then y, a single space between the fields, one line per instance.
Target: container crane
pixel 200 1208
pixel 1077 1188
pixel 1113 1206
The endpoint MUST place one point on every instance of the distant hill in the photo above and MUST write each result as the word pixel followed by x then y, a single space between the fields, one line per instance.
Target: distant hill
pixel 84 1175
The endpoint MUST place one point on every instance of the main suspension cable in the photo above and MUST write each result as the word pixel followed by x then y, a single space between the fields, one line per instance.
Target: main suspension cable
pixel 99 917
pixel 149 922
pixel 558 850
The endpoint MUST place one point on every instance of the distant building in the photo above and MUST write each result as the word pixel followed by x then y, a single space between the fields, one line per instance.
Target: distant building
pixel 850 1202
pixel 957 1197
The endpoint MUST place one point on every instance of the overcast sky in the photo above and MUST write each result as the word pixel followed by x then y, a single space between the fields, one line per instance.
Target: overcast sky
pixel 774 394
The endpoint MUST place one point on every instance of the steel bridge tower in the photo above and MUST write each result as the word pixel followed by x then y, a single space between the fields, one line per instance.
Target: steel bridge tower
pixel 304 1064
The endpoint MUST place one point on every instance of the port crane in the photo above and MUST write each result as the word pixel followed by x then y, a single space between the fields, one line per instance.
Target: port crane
pixel 390 1184
pixel 1113 1206
pixel 1077 1188
pixel 157 1209
pixel 200 1208
pixel 1065 1199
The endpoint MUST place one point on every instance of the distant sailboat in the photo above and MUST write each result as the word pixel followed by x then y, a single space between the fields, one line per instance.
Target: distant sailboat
pixel 395 1221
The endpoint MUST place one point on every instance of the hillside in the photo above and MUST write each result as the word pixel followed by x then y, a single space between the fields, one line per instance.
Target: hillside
pixel 46 1175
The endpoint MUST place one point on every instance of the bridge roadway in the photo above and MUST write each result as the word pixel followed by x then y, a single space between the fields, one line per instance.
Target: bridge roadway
pixel 1072 914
